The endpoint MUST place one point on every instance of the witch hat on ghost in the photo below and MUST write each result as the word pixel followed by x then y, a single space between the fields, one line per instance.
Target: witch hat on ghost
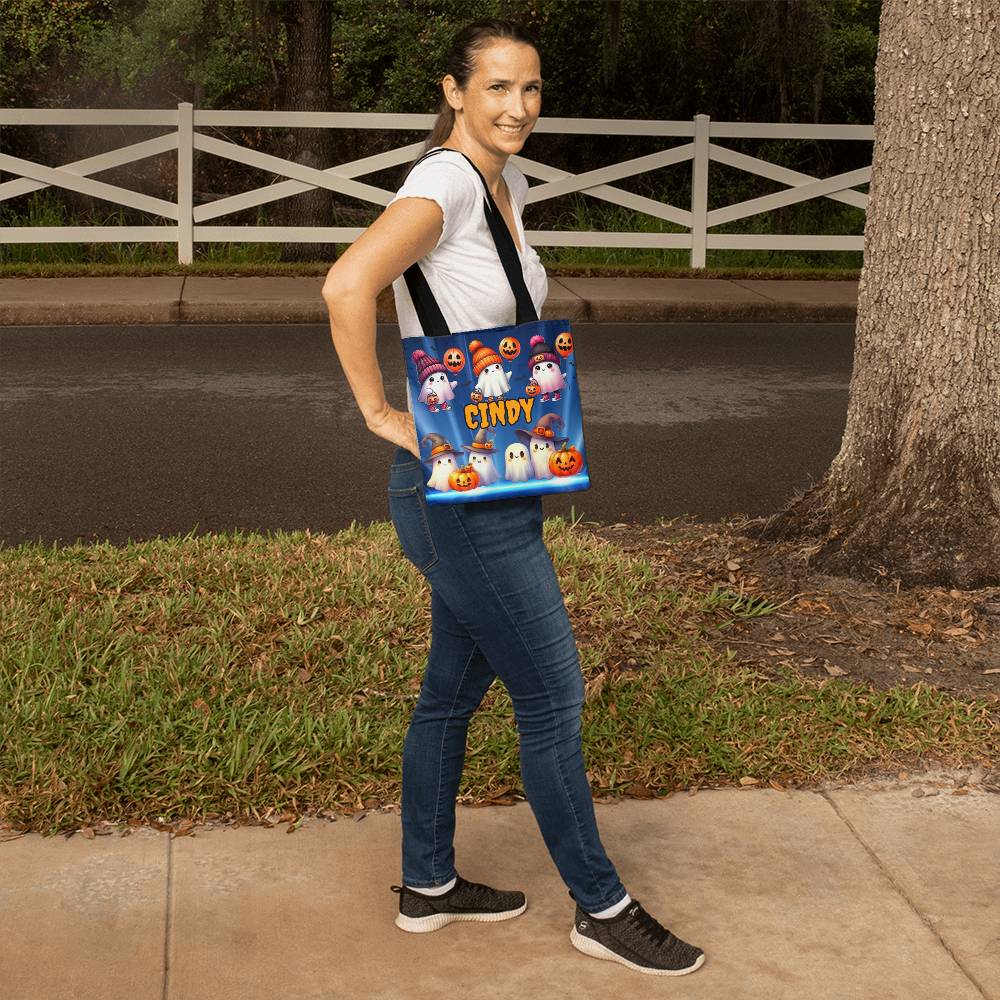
pixel 480 443
pixel 440 445
pixel 543 431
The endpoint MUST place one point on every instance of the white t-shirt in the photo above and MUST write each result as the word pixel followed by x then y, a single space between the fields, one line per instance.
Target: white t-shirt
pixel 464 270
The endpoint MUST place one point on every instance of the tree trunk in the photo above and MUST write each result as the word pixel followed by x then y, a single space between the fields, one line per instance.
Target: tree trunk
pixel 308 88
pixel 610 42
pixel 785 40
pixel 915 489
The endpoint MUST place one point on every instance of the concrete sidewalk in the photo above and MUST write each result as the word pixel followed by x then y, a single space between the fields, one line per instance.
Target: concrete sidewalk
pixel 886 891
pixel 192 299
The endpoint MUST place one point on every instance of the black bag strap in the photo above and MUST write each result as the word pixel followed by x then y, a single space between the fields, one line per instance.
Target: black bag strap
pixel 428 312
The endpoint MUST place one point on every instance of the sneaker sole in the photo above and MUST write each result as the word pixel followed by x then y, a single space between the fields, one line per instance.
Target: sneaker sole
pixel 435 921
pixel 597 950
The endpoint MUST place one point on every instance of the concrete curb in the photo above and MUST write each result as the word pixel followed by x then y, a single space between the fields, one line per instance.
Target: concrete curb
pixel 174 299
pixel 718 312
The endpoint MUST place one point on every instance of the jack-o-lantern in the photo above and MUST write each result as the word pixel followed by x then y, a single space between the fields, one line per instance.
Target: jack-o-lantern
pixel 510 348
pixel 432 399
pixel 454 359
pixel 564 343
pixel 476 395
pixel 532 388
pixel 465 478
pixel 567 461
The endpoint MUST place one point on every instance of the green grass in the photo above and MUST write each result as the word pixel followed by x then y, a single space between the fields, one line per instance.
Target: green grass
pixel 234 673
pixel 44 208
pixel 813 218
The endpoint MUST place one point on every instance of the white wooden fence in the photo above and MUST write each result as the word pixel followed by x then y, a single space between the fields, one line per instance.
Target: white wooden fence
pixel 189 221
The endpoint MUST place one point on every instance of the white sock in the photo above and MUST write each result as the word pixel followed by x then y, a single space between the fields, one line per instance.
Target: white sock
pixel 613 911
pixel 437 890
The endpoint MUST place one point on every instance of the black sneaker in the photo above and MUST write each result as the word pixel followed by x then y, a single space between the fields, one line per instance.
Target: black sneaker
pixel 463 901
pixel 635 939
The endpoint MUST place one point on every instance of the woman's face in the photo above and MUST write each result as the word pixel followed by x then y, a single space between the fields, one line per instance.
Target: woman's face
pixel 505 89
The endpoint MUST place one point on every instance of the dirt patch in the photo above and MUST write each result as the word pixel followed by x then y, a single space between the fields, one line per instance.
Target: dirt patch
pixel 874 632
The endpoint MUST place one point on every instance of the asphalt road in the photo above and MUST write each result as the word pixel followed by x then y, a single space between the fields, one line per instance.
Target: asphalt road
pixel 117 433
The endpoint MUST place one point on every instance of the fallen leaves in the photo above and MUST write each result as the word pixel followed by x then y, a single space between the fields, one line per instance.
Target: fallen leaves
pixel 594 686
pixel 951 634
pixel 938 619
pixel 805 604
pixel 639 791
pixel 506 795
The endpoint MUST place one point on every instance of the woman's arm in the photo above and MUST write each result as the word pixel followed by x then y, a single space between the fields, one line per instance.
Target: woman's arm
pixel 406 231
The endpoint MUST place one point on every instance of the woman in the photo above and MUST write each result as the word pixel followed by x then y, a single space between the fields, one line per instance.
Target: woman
pixel 496 607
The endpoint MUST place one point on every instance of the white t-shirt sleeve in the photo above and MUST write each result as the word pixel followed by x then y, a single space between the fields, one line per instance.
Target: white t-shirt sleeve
pixel 450 186
pixel 519 189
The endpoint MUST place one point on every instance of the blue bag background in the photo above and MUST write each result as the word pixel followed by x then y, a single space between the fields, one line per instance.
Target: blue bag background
pixel 456 435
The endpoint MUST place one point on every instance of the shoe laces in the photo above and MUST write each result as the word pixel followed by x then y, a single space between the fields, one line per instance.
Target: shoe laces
pixel 648 925
pixel 477 892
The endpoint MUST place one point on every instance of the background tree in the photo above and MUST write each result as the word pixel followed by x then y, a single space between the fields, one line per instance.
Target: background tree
pixel 126 53
pixel 915 488
pixel 307 88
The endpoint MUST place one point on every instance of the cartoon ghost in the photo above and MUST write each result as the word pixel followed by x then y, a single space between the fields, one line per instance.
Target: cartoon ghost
pixel 443 460
pixel 545 368
pixel 517 468
pixel 541 442
pixel 433 378
pixel 481 457
pixel 487 366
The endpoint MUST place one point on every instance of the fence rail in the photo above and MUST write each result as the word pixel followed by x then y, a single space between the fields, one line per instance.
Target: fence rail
pixel 189 220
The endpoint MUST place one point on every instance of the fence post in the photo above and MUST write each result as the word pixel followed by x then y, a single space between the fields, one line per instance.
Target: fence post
pixel 699 191
pixel 185 183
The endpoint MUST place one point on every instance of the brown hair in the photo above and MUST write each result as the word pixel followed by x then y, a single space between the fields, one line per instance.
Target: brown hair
pixel 460 62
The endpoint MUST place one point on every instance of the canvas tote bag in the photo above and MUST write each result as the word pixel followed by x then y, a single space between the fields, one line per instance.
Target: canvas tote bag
pixel 497 411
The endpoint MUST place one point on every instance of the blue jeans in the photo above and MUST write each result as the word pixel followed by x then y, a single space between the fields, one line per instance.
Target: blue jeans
pixel 496 611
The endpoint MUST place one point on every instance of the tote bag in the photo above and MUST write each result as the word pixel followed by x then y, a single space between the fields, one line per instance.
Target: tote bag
pixel 497 411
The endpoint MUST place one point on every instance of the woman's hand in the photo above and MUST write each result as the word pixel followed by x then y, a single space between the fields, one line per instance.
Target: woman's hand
pixel 396 426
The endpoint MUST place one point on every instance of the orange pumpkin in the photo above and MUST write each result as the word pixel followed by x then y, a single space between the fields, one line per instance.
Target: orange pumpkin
pixel 532 388
pixel 432 398
pixel 510 348
pixel 567 461
pixel 465 478
pixel 477 396
pixel 564 343
pixel 454 359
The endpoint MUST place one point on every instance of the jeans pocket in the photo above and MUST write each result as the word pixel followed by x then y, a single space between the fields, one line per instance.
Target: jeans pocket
pixel 409 517
pixel 403 461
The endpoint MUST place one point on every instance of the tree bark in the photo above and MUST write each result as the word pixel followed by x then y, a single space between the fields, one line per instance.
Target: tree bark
pixel 611 41
pixel 308 88
pixel 915 489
